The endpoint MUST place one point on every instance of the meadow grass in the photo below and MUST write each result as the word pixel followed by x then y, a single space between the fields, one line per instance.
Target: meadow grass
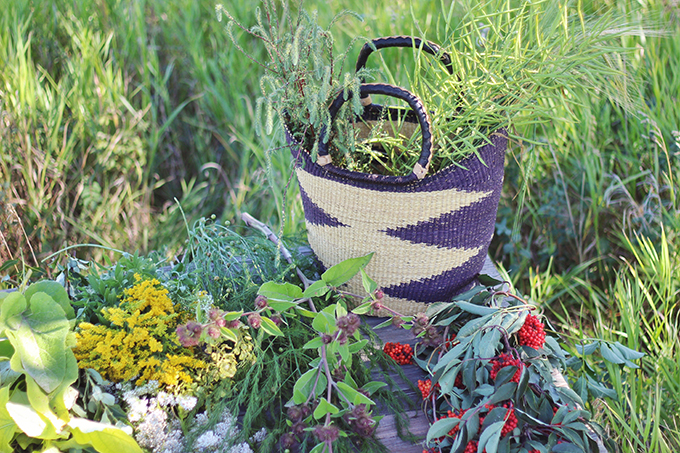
pixel 113 115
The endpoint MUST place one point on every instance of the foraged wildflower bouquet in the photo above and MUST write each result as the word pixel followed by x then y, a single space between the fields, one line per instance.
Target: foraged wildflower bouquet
pixel 496 378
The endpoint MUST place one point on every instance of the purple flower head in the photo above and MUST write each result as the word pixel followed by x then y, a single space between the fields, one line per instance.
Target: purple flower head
pixel 255 320
pixel 261 302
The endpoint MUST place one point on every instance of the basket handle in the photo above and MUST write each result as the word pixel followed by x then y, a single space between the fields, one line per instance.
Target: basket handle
pixel 421 167
pixel 400 41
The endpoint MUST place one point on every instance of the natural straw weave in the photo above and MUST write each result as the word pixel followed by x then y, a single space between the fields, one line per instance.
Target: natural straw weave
pixel 430 237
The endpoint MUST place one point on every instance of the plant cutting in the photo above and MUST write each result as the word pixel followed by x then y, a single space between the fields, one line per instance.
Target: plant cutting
pixel 496 377
pixel 426 207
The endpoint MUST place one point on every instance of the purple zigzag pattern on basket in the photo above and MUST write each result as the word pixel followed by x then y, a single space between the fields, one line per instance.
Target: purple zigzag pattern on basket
pixel 454 229
pixel 315 215
pixel 440 287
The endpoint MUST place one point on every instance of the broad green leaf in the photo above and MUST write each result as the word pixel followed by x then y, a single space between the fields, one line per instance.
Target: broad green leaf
pixel 489 343
pixel 324 407
pixel 28 419
pixel 610 355
pixel 369 284
pixel 566 447
pixel 384 324
pixel 40 402
pixel 324 323
pixel 229 334
pixel 6 348
pixel 587 349
pixel 358 346
pixel 233 315
pixel 503 393
pixel 362 309
pixel 472 326
pixel 11 309
pixel 304 312
pixel 316 289
pixel 441 428
pixel 280 305
pixel 319 448
pixel 7 425
pixel 373 386
pixel 313 343
pixel 342 272
pixel 55 291
pixel 280 291
pixel 353 395
pixel 340 310
pixel 478 310
pixel 270 327
pixel 488 280
pixel 305 385
pixel 104 438
pixel 488 440
pixel 39 336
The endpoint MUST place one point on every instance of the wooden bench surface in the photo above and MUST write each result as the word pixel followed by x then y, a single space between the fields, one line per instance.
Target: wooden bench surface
pixel 387 431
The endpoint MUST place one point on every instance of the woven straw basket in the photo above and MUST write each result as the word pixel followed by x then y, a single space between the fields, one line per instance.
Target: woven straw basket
pixel 430 234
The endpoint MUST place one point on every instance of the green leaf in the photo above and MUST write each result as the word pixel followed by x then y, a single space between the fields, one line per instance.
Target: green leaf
pixel 233 315
pixel 313 343
pixel 324 322
pixel 7 425
pixel 280 305
pixel 358 346
pixel 353 395
pixel 478 310
pixel 304 312
pixel 611 355
pixel 345 270
pixel 270 327
pixel 319 448
pixel 489 438
pixel 104 438
pixel 55 291
pixel 362 309
pixel 286 292
pixel 472 326
pixel 6 348
pixel 32 423
pixel 373 386
pixel 488 280
pixel 303 388
pixel 587 349
pixel 441 428
pixel 489 344
pixel 39 335
pixel 316 289
pixel 503 393
pixel 229 334
pixel 369 284
pixel 566 447
pixel 324 407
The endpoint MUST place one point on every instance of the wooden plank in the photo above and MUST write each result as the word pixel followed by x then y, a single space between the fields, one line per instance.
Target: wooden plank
pixel 387 430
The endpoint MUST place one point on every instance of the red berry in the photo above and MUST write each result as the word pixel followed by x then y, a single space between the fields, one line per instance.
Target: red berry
pixel 532 333
pixel 503 361
pixel 401 353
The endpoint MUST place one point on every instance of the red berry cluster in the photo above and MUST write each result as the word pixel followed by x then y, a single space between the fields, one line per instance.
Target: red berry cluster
pixel 532 333
pixel 510 420
pixel 504 360
pixel 425 388
pixel 471 447
pixel 401 353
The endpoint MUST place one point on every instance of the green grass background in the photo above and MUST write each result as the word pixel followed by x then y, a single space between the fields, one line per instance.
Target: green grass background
pixel 113 114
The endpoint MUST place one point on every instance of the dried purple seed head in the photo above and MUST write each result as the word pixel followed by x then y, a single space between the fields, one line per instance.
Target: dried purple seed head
pixel 295 413
pixel 255 320
pixel 213 332
pixel 261 302
pixel 326 433
pixel 187 338
pixel 220 322
pixel 379 294
pixel 397 322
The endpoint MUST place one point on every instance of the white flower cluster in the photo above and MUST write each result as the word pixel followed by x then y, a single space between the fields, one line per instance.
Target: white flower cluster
pixel 148 411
